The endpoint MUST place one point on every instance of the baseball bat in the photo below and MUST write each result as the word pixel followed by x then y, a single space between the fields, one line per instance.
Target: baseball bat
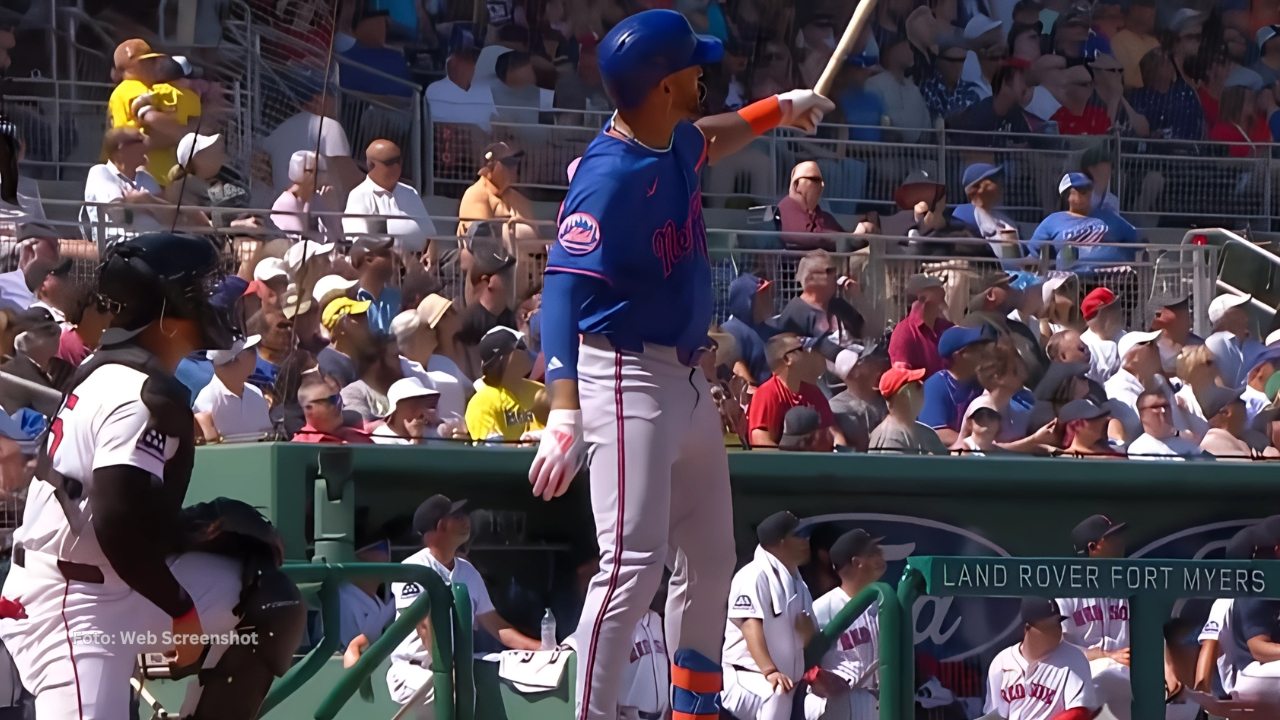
pixel 861 16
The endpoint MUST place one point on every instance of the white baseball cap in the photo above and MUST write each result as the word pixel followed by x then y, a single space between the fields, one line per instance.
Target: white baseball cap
pixel 294 302
pixel 1053 283
pixel 846 360
pixel 330 287
pixel 222 357
pixel 1130 340
pixel 405 388
pixel 1274 337
pixel 1223 303
pixel 191 143
pixel 269 269
pixel 980 25
pixel 305 248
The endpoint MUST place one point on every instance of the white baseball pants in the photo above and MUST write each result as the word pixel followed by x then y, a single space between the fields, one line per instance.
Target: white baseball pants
pixel 659 488
pixel 857 704
pixel 1113 686
pixel 79 645
pixel 748 695
pixel 1259 682
pixel 403 681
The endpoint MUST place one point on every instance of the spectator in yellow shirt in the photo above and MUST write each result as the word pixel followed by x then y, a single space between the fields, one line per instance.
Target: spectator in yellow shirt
pixel 504 404
pixel 145 99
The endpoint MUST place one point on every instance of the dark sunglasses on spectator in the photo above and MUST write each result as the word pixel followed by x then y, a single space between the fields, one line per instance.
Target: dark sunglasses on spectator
pixel 388 162
pixel 810 178
pixel 511 161
pixel 334 400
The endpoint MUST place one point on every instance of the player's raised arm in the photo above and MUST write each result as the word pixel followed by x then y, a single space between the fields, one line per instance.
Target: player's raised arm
pixel 728 133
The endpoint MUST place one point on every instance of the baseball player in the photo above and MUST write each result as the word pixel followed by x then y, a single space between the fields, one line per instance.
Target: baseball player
pixel 646 680
pixel 1255 628
pixel 855 656
pixel 96 561
pixel 1042 677
pixel 1100 626
pixel 770 622
pixel 625 309
pixel 1216 637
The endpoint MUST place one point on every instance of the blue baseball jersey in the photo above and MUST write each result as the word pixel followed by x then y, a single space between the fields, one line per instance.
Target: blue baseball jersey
pixel 630 258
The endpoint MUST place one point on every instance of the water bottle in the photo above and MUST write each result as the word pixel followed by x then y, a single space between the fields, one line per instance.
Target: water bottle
pixel 548 630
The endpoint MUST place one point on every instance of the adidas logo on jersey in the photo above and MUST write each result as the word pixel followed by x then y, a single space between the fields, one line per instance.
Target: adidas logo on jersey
pixel 743 602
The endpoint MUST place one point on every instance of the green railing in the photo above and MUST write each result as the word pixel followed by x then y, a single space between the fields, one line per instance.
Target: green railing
pixel 464 653
pixel 436 600
pixel 1152 587
pixel 894 664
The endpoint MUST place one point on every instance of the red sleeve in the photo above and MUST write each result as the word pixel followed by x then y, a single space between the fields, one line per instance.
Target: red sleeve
pixel 1079 713
pixel 900 345
pixel 766 410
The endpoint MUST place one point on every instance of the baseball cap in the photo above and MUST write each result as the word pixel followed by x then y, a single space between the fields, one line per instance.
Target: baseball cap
pixel 1161 300
pixel 497 343
pixel 1183 18
pixel 1266 33
pixel 308 249
pixel 35 319
pixel 955 339
pixel 1223 303
pixel 1096 301
pixel 1245 78
pixel 1266 535
pixel 222 357
pixel 897 377
pixel 499 151
pixel 269 269
pixel 127 52
pixel 331 287
pixel 490 258
pixel 797 425
pixel 432 309
pixel 854 543
pixel 920 282
pixel 1093 529
pixel 918 186
pixel 779 525
pixel 1036 609
pixel 192 143
pixel 1259 356
pixel 1217 398
pixel 1078 181
pixel 1051 284
pixel 978 172
pixel 1242 545
pixel 978 26
pixel 433 510
pixel 294 302
pixel 645 48
pixel 846 361
pixel 405 388
pixel 1130 340
pixel 1082 409
pixel 340 308
pixel 1273 338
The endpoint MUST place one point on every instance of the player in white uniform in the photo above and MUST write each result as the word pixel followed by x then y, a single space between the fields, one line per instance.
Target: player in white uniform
pixel 1042 677
pixel 1100 626
pixel 770 622
pixel 1216 635
pixel 855 656
pixel 96 561
pixel 444 528
pixel 646 681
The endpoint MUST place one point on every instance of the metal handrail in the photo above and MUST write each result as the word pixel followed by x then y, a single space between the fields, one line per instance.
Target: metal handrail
pixel 892 660
pixel 435 600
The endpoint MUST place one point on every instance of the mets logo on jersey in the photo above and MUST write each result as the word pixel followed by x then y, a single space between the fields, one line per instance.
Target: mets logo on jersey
pixel 579 234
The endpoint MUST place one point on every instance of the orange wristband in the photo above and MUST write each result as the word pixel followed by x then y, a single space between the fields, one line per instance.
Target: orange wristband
pixel 763 115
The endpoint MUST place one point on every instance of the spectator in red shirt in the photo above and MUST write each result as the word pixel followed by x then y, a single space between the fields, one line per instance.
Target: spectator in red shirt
pixel 796 368
pixel 322 407
pixel 89 317
pixel 1237 115
pixel 800 212
pixel 914 341
pixel 1078 115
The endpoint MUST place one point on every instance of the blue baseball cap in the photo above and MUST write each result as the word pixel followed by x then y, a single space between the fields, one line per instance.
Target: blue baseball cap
pixel 959 337
pixel 1261 355
pixel 645 48
pixel 978 172
pixel 1078 181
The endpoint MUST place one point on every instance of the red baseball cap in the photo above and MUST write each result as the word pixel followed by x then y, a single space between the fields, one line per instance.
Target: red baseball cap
pixel 1095 301
pixel 897 377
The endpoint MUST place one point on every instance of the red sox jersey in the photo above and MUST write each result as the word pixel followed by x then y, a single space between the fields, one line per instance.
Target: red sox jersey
pixel 646 682
pixel 1022 690
pixel 1096 622
pixel 857 649
pixel 103 424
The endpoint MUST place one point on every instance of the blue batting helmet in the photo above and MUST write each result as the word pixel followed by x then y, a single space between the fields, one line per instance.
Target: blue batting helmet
pixel 645 48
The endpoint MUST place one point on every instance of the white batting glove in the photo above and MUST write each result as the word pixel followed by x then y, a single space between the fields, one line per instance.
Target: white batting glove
pixel 561 451
pixel 803 109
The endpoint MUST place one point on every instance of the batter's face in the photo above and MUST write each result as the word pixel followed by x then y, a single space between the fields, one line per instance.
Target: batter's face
pixel 684 93
pixel 1044 635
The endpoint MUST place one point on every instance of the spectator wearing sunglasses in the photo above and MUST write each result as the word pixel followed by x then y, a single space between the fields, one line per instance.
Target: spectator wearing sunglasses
pixel 503 406
pixel 385 206
pixel 801 211
pixel 322 409
pixel 492 196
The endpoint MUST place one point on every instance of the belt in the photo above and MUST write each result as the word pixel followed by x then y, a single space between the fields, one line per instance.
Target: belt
pixel 78 572
pixel 648 715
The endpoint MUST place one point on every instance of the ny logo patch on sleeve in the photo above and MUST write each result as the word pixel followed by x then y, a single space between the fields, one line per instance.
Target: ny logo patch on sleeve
pixel 153 441
pixel 743 602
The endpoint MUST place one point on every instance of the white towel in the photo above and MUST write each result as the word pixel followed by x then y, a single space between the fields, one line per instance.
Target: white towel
pixel 782 582
pixel 534 671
